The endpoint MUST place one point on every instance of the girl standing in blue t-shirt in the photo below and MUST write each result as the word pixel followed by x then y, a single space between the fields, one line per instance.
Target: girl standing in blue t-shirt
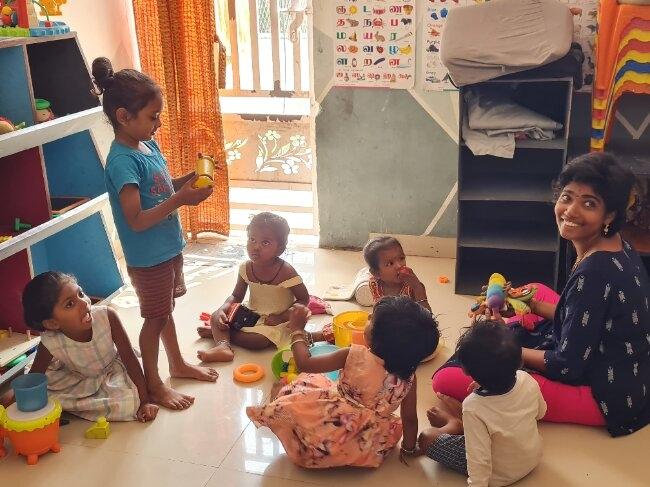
pixel 145 199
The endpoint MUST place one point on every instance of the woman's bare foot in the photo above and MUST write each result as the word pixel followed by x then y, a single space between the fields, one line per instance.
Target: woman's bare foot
pixel 204 331
pixel 187 371
pixel 169 398
pixel 451 405
pixel 445 421
pixel 221 353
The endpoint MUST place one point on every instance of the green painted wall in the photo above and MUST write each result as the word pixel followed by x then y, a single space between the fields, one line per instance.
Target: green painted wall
pixel 386 159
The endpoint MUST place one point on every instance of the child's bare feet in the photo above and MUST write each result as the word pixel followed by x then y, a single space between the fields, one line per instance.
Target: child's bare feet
pixel 434 417
pixel 453 406
pixel 187 371
pixel 169 398
pixel 444 420
pixel 221 353
pixel 204 331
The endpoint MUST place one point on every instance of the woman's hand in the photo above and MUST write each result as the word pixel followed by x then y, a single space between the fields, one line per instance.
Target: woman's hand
pixel 147 412
pixel 489 315
pixel 298 317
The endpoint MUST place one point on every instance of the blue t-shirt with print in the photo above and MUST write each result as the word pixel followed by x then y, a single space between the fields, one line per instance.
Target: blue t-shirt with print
pixel 149 172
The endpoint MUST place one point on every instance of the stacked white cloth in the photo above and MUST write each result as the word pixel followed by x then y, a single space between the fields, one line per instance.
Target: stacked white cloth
pixel 493 121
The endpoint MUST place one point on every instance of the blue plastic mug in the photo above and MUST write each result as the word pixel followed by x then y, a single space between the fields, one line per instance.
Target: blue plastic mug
pixel 30 391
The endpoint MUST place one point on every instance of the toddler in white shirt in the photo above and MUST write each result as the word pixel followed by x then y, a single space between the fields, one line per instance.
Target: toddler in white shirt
pixel 492 437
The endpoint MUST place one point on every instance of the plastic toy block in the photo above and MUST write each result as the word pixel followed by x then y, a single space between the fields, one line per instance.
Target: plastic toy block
pixel 100 430
pixel 57 28
pixel 14 32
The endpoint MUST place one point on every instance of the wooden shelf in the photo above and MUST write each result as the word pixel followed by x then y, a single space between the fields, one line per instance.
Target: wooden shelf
pixel 553 144
pixel 16 369
pixel 24 41
pixel 515 188
pixel 43 133
pixel 505 217
pixel 43 162
pixel 14 346
pixel 519 267
pixel 36 234
pixel 529 237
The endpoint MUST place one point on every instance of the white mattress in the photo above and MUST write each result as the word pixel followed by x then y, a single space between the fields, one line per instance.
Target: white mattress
pixel 488 40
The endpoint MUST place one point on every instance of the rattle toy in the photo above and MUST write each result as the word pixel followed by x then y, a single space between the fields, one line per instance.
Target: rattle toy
pixel 205 171
pixel 501 300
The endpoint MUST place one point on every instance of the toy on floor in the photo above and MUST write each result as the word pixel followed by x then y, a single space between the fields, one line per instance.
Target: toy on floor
pixel 288 376
pixel 248 373
pixel 443 279
pixel 317 306
pixel 501 300
pixel 100 430
pixel 284 366
pixel 205 171
pixel 349 328
pixel 32 422
pixel 44 111
pixel 30 391
pixel 7 126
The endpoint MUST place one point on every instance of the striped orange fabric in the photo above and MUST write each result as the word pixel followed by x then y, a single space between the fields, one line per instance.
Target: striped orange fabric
pixel 176 40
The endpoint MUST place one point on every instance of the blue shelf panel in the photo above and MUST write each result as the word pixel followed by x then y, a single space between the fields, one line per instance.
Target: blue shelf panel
pixel 15 101
pixel 73 166
pixel 84 251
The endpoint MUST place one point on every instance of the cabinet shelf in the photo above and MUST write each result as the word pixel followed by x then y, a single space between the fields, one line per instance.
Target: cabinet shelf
pixel 505 214
pixel 41 134
pixel 529 237
pixel 515 188
pixel 552 144
pixel 26 239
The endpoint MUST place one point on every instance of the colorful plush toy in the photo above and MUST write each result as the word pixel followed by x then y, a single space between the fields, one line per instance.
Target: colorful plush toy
pixel 502 300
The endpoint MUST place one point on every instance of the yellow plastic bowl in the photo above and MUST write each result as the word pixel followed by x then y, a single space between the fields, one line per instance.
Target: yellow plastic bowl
pixel 349 324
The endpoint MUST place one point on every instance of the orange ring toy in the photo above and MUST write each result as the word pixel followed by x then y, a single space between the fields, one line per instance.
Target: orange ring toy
pixel 247 373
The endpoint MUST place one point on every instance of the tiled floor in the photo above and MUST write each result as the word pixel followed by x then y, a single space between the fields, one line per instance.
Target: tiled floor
pixel 213 443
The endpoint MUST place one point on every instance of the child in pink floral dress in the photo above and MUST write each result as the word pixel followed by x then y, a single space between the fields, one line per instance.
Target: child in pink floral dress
pixel 324 424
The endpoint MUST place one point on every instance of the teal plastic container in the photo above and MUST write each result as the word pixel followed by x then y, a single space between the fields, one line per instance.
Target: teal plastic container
pixel 30 391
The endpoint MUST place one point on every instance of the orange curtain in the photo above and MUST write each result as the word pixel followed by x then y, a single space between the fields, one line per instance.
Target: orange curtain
pixel 176 39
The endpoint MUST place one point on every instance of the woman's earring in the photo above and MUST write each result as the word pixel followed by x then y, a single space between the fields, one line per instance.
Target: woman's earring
pixel 606 230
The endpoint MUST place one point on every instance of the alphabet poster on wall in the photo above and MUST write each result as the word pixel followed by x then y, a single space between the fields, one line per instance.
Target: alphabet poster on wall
pixel 375 43
pixel 434 73
pixel 585 25
pixel 436 76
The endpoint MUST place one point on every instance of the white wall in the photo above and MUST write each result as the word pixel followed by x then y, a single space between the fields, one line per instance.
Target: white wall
pixel 105 28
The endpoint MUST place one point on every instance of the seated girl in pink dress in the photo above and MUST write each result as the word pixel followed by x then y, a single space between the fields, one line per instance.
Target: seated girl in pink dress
pixel 324 424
